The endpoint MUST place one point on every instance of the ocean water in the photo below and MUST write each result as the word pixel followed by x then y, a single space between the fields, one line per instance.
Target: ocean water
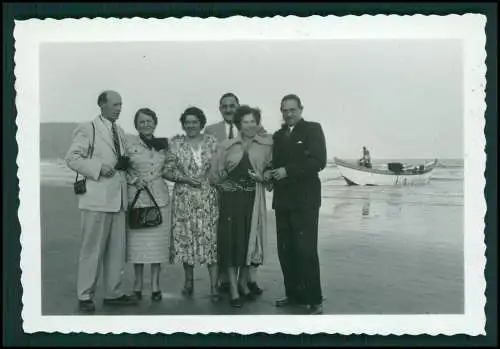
pixel 444 189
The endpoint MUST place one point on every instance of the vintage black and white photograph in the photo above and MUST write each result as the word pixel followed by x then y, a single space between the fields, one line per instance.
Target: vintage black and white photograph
pixel 326 178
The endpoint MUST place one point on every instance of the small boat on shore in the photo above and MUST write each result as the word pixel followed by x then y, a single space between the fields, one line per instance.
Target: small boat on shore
pixel 393 174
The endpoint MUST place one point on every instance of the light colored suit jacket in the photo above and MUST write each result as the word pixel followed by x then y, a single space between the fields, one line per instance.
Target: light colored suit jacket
pixel 104 194
pixel 218 130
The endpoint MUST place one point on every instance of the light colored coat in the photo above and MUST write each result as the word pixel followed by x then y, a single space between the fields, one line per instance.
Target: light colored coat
pixel 228 156
pixel 218 130
pixel 104 194
pixel 148 165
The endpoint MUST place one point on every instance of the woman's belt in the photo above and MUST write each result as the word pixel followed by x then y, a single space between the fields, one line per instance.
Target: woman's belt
pixel 244 185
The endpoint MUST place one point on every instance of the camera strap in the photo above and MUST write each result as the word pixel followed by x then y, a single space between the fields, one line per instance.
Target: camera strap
pixel 90 151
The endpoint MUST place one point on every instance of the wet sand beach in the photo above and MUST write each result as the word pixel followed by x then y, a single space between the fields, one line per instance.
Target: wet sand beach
pixel 382 251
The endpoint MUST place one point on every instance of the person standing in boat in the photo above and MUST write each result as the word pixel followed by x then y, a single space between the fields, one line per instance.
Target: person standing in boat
pixel 366 160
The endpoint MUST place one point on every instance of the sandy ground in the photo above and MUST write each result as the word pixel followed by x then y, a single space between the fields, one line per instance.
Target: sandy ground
pixel 361 274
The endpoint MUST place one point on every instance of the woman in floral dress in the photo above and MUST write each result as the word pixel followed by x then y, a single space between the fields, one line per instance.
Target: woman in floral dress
pixel 195 203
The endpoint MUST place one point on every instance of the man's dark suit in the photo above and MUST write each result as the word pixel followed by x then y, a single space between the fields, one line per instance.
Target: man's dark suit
pixel 296 201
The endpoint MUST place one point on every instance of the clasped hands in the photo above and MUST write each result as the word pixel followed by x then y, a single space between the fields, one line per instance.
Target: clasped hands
pixel 193 181
pixel 276 174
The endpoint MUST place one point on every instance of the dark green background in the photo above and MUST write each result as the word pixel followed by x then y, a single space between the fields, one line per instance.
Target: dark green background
pixel 12 290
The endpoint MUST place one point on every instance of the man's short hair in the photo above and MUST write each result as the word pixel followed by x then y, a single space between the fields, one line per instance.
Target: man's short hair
pixel 103 98
pixel 292 97
pixel 229 94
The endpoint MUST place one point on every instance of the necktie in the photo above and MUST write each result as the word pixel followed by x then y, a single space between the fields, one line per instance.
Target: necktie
pixel 116 140
pixel 287 133
pixel 231 132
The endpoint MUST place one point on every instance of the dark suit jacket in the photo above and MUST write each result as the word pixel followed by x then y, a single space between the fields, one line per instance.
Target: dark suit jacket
pixel 303 154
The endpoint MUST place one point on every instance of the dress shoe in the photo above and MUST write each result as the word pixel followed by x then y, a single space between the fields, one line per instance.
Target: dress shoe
pixel 254 288
pixel 86 306
pixel 315 309
pixel 138 295
pixel 286 302
pixel 236 303
pixel 123 300
pixel 188 288
pixel 246 296
pixel 156 296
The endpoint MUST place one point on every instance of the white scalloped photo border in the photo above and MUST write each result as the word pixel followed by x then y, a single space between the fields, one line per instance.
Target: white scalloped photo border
pixel 470 28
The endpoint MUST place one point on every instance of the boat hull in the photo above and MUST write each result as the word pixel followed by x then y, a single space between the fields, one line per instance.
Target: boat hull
pixel 356 175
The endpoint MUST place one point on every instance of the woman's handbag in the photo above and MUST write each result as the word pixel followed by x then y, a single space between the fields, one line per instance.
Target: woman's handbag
pixel 144 217
pixel 80 186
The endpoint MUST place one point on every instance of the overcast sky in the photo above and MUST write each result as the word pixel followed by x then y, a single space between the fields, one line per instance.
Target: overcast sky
pixel 400 98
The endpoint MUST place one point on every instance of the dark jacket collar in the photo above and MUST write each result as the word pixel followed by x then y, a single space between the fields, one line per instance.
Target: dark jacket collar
pixel 298 125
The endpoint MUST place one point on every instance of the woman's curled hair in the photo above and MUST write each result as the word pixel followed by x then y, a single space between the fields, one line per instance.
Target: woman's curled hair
pixel 200 115
pixel 243 110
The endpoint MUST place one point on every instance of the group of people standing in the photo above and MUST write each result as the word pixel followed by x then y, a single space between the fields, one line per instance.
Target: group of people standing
pixel 216 213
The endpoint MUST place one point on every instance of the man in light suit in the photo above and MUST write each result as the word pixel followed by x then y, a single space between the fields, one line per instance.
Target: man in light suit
pixel 103 204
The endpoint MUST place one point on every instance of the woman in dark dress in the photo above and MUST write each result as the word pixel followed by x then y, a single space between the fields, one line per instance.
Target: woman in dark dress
pixel 238 170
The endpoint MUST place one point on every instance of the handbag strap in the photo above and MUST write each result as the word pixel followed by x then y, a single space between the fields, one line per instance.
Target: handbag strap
pixel 137 197
pixel 151 196
pixel 90 151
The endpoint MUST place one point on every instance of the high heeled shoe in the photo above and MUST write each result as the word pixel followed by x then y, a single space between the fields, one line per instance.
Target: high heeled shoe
pixel 188 288
pixel 254 288
pixel 246 296
pixel 138 295
pixel 236 303
pixel 156 296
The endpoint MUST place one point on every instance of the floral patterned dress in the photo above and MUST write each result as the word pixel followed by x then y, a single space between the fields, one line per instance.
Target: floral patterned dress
pixel 195 211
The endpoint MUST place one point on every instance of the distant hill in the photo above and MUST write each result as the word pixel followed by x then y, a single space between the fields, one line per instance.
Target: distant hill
pixel 55 139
